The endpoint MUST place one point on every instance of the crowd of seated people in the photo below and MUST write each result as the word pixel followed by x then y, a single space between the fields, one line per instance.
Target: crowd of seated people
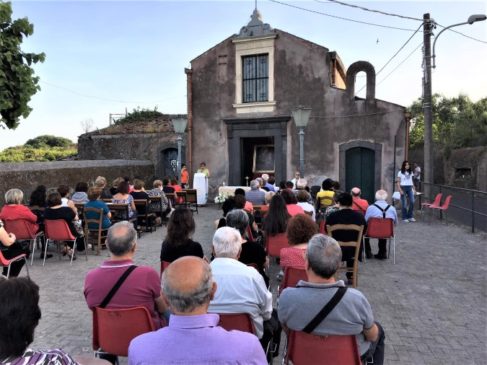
pixel 239 279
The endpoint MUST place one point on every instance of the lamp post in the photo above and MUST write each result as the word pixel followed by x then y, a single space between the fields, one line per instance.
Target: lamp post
pixel 301 119
pixel 428 25
pixel 179 125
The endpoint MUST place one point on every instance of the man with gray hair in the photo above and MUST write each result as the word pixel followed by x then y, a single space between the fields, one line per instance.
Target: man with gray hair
pixel 241 289
pixel 352 315
pixel 380 209
pixel 142 286
pixel 255 195
pixel 193 335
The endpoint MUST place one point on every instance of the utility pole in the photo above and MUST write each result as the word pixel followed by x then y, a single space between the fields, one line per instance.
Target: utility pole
pixel 427 103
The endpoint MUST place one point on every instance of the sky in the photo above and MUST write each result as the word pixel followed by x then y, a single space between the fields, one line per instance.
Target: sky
pixel 106 57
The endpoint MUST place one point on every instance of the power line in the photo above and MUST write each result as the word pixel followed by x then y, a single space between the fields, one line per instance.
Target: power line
pixel 103 98
pixel 466 36
pixel 371 10
pixel 340 17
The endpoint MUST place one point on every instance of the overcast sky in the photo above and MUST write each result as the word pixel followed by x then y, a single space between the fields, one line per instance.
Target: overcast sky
pixel 105 56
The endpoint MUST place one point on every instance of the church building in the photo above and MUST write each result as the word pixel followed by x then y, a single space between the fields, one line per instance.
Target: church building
pixel 241 94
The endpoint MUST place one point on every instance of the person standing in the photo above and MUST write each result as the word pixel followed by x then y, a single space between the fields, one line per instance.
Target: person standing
pixel 405 186
pixel 416 175
pixel 184 176
pixel 204 170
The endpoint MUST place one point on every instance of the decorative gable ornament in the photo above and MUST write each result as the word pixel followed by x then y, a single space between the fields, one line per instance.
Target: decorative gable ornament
pixel 256 27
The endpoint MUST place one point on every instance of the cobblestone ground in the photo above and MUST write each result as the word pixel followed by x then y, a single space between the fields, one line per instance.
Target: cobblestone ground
pixel 431 303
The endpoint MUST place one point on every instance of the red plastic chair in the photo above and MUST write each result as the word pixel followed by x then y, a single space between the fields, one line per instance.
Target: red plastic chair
pixel 57 231
pixel 304 349
pixel 291 277
pixel 236 321
pixel 113 329
pixel 8 262
pixel 24 231
pixel 445 205
pixel 435 204
pixel 382 228
pixel 276 243
pixel 164 265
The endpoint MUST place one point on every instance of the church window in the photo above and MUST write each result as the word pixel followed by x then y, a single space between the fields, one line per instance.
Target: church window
pixel 255 78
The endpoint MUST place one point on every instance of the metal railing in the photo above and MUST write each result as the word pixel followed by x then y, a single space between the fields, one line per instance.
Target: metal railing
pixel 468 207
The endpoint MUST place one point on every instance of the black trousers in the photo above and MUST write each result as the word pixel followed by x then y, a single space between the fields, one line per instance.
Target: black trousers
pixel 376 349
pixel 10 252
pixel 272 330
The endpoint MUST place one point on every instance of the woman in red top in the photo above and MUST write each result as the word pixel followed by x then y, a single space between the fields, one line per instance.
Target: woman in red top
pixel 291 203
pixel 13 208
pixel 184 176
pixel 300 229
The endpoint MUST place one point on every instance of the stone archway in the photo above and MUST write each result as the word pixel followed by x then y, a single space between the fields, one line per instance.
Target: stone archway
pixel 350 81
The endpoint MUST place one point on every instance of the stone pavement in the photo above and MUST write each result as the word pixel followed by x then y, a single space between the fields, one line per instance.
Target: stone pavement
pixel 432 303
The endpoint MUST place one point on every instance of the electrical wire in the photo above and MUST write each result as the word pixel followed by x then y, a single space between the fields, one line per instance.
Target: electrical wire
pixel 371 10
pixel 103 98
pixel 466 36
pixel 340 17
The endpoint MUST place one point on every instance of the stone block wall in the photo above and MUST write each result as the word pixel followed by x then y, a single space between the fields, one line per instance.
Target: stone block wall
pixel 26 176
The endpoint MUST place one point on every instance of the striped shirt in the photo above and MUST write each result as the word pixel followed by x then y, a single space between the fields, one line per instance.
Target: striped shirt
pixel 49 357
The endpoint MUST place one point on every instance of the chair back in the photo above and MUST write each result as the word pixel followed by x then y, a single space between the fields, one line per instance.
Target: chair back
pixel 5 262
pixel 23 229
pixel 276 243
pixel 191 196
pixel 292 275
pixel 164 265
pixel 436 202
pixel 58 230
pixel 93 224
pixel 236 321
pixel 304 349
pixel 120 212
pixel 380 228
pixel 446 203
pixel 113 329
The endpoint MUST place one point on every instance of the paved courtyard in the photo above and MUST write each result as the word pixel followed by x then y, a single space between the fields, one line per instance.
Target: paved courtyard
pixel 432 302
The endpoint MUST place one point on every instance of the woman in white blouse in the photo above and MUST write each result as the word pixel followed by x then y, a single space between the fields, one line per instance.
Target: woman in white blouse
pixel 405 186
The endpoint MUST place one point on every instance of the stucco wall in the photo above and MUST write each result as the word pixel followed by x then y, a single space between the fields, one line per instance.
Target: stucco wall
pixel 26 176
pixel 301 78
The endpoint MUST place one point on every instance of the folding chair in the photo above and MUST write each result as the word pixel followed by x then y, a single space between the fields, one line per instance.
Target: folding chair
pixel 57 231
pixel 94 227
pixel 24 231
pixel 275 243
pixel 304 349
pixel 292 276
pixel 8 262
pixel 113 329
pixel 354 244
pixel 382 228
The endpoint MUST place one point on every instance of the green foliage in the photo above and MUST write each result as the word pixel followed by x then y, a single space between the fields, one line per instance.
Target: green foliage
pixel 17 80
pixel 140 115
pixel 42 148
pixel 457 122
pixel 47 141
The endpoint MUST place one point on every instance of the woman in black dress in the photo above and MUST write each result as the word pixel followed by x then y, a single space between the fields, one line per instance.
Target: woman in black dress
pixel 178 242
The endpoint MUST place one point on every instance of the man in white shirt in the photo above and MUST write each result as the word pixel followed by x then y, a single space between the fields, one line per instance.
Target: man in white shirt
pixel 241 289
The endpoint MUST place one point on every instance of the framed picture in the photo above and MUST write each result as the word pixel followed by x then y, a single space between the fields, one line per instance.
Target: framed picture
pixel 264 159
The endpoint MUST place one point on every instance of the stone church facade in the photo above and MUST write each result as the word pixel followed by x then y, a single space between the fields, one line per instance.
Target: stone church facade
pixel 241 94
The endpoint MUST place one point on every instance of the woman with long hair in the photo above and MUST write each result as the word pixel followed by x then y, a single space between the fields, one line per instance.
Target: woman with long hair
pixel 405 185
pixel 275 221
pixel 178 241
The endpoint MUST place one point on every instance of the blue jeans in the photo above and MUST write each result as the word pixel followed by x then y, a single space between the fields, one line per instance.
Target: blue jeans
pixel 407 209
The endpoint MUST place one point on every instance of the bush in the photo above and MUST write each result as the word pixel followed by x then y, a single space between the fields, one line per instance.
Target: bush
pixel 140 115
pixel 48 141
pixel 30 154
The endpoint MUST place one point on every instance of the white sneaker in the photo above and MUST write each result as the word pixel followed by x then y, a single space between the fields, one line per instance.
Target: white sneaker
pixel 405 221
pixel 412 220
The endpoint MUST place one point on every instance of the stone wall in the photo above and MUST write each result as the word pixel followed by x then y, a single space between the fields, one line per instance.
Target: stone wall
pixel 26 176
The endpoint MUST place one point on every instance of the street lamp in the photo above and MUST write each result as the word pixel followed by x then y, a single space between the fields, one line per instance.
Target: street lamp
pixel 301 119
pixel 428 25
pixel 179 125
pixel 471 19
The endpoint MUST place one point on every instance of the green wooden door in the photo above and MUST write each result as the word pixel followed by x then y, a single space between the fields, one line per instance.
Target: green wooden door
pixel 360 171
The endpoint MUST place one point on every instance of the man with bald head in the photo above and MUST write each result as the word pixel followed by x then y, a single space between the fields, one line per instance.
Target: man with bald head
pixel 193 336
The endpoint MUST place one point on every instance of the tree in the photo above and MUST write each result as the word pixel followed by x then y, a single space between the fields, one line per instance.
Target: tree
pixel 457 122
pixel 17 79
pixel 48 141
